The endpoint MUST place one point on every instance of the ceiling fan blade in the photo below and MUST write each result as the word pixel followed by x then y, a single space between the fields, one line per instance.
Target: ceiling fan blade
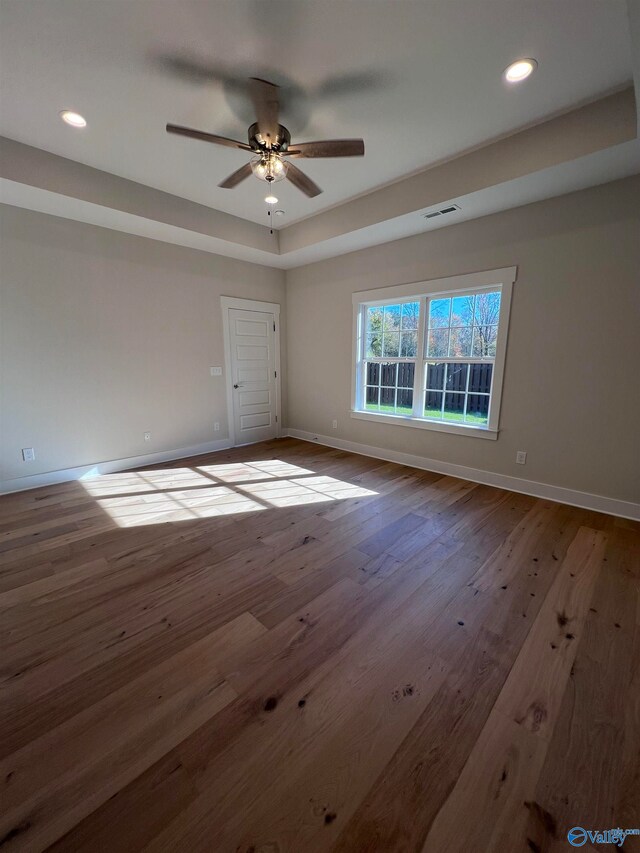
pixel 328 148
pixel 236 177
pixel 207 137
pixel 302 181
pixel 266 102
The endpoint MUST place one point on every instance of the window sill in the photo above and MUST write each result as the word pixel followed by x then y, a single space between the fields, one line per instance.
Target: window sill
pixel 420 423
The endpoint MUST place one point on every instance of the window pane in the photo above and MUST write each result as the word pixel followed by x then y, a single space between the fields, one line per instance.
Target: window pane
pixel 454 407
pixel 438 343
pixel 391 321
pixel 410 314
pixel 404 402
pixel 480 378
pixel 457 377
pixel 487 311
pixel 462 311
pixel 391 344
pixel 406 373
pixel 373 373
pixel 371 397
pixel 477 409
pixel 460 343
pixel 408 344
pixel 435 376
pixel 374 345
pixel 439 313
pixel 373 320
pixel 387 398
pixel 395 392
pixel 433 404
pixel 388 374
pixel 484 341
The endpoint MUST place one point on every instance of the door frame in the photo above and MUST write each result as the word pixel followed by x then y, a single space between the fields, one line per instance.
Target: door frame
pixel 227 303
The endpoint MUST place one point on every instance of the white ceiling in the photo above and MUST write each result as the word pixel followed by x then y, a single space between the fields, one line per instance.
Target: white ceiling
pixel 419 80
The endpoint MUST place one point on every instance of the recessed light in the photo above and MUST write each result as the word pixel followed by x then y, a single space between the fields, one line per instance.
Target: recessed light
pixel 74 119
pixel 520 70
pixel 271 199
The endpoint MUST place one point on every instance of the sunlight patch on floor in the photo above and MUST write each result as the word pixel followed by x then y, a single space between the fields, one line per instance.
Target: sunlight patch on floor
pixel 245 472
pixel 305 491
pixel 128 482
pixel 161 507
pixel 136 498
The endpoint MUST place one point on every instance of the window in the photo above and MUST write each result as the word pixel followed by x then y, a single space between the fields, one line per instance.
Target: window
pixel 462 333
pixel 392 339
pixel 433 359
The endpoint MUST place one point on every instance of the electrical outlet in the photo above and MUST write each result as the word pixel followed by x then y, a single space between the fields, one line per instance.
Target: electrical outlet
pixel 28 454
pixel 334 424
pixel 216 371
pixel 216 427
pixel 147 436
pixel 521 457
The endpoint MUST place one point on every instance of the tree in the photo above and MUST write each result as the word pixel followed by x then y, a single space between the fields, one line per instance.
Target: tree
pixel 399 323
pixel 487 313
pixel 374 332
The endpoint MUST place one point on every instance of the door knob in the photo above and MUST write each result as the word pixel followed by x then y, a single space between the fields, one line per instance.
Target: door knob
pixel 236 386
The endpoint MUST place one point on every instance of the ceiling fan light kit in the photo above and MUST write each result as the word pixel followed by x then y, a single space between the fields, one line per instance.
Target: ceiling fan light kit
pixel 269 167
pixel 270 142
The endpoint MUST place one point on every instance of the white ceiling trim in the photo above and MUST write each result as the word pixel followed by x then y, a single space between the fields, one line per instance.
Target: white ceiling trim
pixel 612 164
pixel 67 207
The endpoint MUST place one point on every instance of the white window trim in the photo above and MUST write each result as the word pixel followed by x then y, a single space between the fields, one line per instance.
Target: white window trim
pixel 501 278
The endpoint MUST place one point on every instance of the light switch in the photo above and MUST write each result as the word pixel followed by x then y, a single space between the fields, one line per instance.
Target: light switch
pixel 216 371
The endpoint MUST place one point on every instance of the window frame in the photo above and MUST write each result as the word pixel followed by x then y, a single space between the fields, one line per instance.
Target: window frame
pixel 460 285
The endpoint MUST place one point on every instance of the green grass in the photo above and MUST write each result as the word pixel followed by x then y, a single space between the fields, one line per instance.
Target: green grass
pixel 401 410
pixel 436 414
pixel 455 416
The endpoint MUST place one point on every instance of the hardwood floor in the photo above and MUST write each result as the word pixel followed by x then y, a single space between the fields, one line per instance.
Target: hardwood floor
pixel 286 647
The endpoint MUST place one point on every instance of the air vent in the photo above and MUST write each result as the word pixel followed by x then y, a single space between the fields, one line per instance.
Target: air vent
pixel 442 212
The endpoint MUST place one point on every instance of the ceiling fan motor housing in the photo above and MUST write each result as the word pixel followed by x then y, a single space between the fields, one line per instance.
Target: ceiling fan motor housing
pixel 261 143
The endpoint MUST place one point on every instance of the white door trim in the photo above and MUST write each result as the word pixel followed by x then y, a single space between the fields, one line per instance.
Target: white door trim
pixel 227 303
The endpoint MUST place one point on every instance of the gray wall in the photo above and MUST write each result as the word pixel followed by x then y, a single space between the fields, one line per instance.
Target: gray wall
pixel 104 336
pixel 571 390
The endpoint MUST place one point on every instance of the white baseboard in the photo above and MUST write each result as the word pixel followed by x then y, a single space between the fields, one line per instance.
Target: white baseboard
pixel 33 481
pixel 585 500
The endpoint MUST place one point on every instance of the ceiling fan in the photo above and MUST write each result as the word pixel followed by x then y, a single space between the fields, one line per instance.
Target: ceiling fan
pixel 269 141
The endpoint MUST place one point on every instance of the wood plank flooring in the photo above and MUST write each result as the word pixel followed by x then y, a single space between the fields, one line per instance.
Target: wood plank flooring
pixel 286 647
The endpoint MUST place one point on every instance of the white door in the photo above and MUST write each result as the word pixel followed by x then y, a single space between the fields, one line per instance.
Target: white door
pixel 252 340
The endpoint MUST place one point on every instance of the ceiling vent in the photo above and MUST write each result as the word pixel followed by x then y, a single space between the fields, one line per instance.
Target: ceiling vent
pixel 442 212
